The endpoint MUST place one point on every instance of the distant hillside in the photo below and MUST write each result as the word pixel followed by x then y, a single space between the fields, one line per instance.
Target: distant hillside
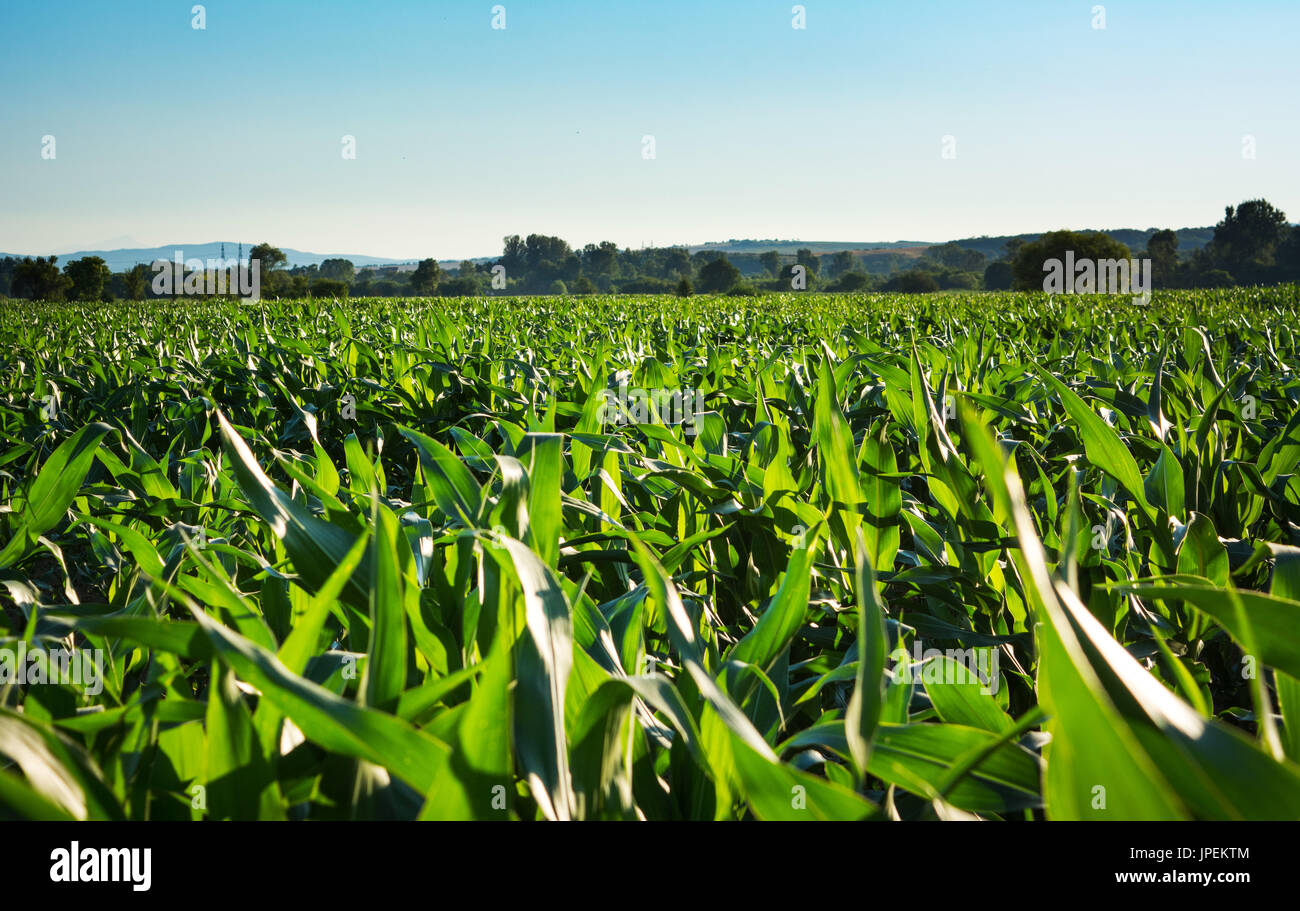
pixel 790 247
pixel 1189 239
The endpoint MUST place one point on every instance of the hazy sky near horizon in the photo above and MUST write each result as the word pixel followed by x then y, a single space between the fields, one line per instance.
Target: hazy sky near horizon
pixel 465 133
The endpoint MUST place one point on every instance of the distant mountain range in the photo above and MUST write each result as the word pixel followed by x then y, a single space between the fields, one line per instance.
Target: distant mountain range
pixel 1135 238
pixel 120 260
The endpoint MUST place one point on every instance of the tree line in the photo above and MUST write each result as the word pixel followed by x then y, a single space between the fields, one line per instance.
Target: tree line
pixel 1253 244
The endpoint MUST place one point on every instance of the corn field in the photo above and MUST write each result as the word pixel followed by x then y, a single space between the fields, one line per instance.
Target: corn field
pixel 791 557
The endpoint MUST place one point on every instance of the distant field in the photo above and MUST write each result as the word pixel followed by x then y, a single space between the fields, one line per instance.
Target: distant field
pixel 782 557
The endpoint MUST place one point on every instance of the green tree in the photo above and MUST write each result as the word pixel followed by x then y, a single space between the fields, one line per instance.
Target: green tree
pixel 338 270
pixel 87 277
pixel 600 259
pixel 676 262
pixel 786 278
pixel 1288 256
pixel 807 259
pixel 914 281
pixel 329 287
pixel 513 256
pixel 39 279
pixel 270 265
pixel 963 281
pixel 771 261
pixel 852 281
pixel 998 276
pixel 718 276
pixel 7 267
pixel 842 262
pixel 1162 250
pixel 1245 242
pixel 270 258
pixel 1030 262
pixel 136 280
pixel 426 276
pixel 955 256
pixel 684 288
pixel 458 287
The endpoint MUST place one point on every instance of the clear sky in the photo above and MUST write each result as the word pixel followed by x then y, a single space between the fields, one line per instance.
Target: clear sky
pixel 465 133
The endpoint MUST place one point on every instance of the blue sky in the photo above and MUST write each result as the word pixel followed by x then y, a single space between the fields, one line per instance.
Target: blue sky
pixel 465 133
